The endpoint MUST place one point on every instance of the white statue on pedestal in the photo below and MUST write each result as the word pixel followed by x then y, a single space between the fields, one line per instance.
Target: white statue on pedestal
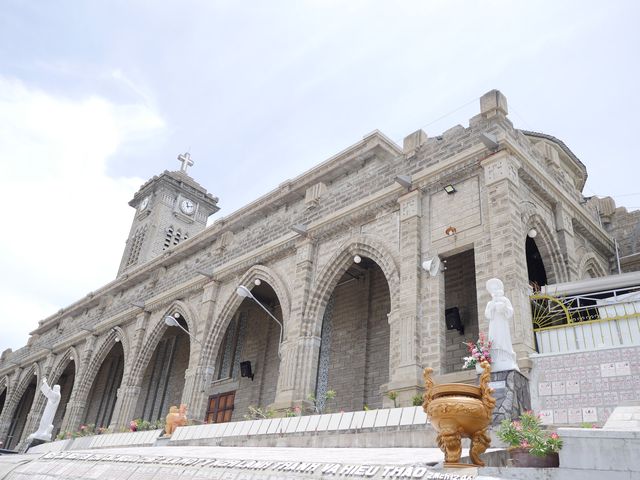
pixel 46 422
pixel 499 312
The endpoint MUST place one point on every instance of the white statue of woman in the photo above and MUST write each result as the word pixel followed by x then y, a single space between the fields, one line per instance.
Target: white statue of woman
pixel 499 312
pixel 46 422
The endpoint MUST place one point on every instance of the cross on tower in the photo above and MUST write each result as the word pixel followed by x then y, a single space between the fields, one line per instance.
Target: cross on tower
pixel 185 159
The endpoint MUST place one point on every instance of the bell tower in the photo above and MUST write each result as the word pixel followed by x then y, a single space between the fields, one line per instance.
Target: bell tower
pixel 170 208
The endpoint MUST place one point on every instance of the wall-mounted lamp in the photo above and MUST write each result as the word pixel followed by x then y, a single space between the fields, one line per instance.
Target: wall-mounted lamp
pixel 357 259
pixel 300 229
pixel 404 180
pixel 246 293
pixel 117 337
pixel 257 282
pixel 490 141
pixel 532 233
pixel 70 358
pixel 171 321
pixel 450 189
pixel 450 231
pixel 245 370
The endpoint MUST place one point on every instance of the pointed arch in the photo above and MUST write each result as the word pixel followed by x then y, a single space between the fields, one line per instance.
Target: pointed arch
pixel 337 265
pixel 590 267
pixel 12 402
pixel 4 384
pixel 71 355
pixel 156 330
pixel 550 251
pixel 233 301
pixel 95 362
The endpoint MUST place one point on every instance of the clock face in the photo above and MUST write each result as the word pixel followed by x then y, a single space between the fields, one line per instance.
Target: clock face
pixel 187 206
pixel 144 203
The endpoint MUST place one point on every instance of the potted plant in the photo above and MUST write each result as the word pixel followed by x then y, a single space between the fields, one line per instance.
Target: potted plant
pixel 529 444
pixel 478 353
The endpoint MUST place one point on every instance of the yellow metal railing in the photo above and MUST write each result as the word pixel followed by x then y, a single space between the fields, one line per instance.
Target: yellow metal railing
pixel 586 321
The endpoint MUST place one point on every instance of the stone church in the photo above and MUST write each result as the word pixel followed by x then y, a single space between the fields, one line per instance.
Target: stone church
pixel 362 272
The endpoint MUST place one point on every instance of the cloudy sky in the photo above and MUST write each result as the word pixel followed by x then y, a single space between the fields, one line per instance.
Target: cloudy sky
pixel 96 97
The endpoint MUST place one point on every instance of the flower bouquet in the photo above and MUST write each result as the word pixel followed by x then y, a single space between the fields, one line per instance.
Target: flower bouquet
pixel 478 352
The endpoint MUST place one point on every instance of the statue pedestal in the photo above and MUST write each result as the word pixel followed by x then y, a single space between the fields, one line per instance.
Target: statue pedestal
pixel 511 391
pixel 34 442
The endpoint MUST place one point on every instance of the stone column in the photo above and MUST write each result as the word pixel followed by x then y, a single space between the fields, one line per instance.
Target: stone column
pixel 198 376
pixel 81 388
pixel 434 340
pixel 405 376
pixel 126 401
pixel 299 352
pixel 502 254
pixel 564 228
pixel 10 404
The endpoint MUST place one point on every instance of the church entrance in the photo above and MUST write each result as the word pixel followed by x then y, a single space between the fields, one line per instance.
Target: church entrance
pixel 19 419
pixel 66 382
pixel 163 380
pixel 102 397
pixel 354 348
pixel 247 363
pixel 461 307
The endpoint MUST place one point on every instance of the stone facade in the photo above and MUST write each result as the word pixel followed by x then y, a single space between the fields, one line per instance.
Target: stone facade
pixel 386 325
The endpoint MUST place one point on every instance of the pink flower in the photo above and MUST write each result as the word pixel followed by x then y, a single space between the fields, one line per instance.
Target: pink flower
pixel 524 444
pixel 83 427
pixel 555 436
pixel 517 425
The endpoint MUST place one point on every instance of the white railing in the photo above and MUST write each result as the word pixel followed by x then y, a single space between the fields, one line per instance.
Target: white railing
pixel 586 322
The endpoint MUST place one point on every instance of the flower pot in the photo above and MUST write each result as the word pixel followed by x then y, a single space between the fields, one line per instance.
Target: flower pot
pixel 522 458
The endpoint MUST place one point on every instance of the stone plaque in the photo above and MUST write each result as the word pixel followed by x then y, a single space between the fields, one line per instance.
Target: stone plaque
pixel 500 385
pixel 560 415
pixel 546 417
pixel 574 415
pixel 572 387
pixel 558 388
pixel 544 388
pixel 590 414
pixel 623 368
pixel 608 370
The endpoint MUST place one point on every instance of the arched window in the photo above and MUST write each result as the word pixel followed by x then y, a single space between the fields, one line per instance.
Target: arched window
pixel 173 237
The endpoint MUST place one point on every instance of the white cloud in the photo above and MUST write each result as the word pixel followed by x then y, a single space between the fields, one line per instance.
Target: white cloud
pixel 64 220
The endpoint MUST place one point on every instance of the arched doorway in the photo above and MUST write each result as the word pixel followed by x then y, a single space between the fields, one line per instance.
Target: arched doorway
pixel 19 419
pixel 66 381
pixel 163 379
pixel 251 339
pixel 535 266
pixel 354 348
pixel 104 389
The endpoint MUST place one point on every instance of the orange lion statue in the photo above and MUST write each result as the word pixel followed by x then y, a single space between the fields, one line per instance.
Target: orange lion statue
pixel 177 417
